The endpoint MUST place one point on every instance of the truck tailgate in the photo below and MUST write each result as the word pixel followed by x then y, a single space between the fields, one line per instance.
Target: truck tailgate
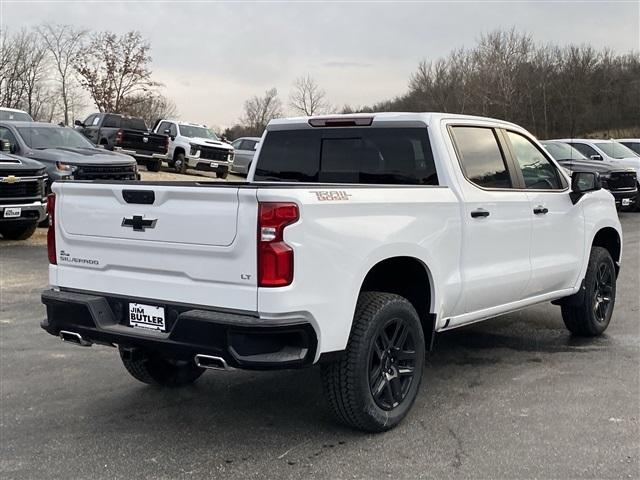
pixel 195 244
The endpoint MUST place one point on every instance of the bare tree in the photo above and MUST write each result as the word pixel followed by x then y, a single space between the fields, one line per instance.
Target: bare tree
pixel 112 69
pixel 258 111
pixel 151 107
pixel 307 97
pixel 64 44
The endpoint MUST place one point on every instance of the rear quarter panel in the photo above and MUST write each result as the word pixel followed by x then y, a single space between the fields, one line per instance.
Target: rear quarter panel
pixel 337 242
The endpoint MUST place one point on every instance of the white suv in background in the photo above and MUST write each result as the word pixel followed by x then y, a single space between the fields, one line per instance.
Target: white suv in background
pixel 193 145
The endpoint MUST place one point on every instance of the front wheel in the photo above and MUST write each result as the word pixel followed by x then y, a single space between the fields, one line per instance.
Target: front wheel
pixel 180 163
pixel 374 385
pixel 157 370
pixel 222 174
pixel 592 316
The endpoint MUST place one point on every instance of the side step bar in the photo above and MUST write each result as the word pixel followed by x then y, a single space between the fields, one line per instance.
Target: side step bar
pixel 211 362
pixel 74 338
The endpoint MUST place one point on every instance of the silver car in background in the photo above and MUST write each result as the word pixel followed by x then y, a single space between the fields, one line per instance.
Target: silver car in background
pixel 245 149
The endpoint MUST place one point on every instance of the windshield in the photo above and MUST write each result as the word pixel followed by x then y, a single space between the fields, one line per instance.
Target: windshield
pixel 15 116
pixel 53 137
pixel 616 150
pixel 194 131
pixel 562 151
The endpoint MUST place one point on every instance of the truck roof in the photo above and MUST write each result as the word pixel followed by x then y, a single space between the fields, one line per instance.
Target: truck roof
pixel 424 117
pixel 182 122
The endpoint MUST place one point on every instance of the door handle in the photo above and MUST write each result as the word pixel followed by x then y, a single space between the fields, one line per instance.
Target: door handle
pixel 479 213
pixel 540 210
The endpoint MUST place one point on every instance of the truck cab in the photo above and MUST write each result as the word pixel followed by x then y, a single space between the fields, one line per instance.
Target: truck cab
pixel 195 146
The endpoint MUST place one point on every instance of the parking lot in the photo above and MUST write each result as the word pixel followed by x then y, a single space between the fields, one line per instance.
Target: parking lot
pixel 516 396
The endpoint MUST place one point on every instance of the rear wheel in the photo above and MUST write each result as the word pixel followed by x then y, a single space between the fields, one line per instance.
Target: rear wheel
pixel 222 173
pixel 374 385
pixel 592 316
pixel 18 230
pixel 157 370
pixel 154 165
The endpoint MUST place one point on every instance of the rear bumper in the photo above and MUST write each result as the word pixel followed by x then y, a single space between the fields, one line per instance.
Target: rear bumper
pixel 34 211
pixel 141 156
pixel 243 340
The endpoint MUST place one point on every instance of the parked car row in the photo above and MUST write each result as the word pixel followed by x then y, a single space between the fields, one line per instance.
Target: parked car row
pixel 617 165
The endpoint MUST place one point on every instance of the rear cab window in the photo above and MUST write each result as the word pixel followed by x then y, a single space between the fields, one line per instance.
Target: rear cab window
pixel 370 155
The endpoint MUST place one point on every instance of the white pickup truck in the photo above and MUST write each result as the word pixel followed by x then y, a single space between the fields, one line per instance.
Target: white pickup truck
pixel 195 146
pixel 355 240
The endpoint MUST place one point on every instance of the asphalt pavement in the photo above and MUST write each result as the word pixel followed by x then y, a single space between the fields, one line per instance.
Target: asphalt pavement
pixel 513 397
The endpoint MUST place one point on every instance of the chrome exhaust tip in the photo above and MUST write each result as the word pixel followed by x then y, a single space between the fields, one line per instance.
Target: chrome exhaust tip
pixel 210 362
pixel 74 338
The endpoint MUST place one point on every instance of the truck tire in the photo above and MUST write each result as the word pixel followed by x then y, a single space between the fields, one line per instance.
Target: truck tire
pixel 18 231
pixel 156 370
pixel 154 165
pixel 180 163
pixel 592 316
pixel 222 174
pixel 373 386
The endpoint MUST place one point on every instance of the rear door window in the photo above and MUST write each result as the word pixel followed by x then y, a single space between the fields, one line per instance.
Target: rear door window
pixel 586 150
pixel 111 121
pixel 482 160
pixel 348 155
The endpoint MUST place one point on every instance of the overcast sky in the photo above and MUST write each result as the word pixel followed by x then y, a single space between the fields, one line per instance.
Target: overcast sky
pixel 211 56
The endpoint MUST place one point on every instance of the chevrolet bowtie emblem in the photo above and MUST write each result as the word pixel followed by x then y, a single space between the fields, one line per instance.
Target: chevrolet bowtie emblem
pixel 11 179
pixel 139 223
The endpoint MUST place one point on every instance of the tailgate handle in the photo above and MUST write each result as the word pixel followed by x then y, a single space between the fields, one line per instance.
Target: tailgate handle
pixel 141 197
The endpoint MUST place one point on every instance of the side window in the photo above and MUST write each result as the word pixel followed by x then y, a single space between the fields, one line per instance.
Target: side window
pixel 162 127
pixel 248 145
pixel 236 144
pixel 6 134
pixel 111 121
pixel 481 158
pixel 89 120
pixel 96 120
pixel 173 130
pixel 586 150
pixel 537 170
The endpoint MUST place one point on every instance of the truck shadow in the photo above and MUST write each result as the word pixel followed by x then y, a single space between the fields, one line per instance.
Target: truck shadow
pixel 248 405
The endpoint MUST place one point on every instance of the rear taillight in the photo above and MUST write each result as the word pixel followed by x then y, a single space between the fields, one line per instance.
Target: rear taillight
pixel 119 135
pixel 275 257
pixel 51 233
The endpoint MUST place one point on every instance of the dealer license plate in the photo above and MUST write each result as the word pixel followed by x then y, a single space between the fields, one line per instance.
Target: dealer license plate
pixel 626 202
pixel 213 165
pixel 12 212
pixel 146 316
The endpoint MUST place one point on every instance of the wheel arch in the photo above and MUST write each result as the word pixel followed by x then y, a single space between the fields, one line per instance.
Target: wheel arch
pixel 609 239
pixel 178 150
pixel 410 278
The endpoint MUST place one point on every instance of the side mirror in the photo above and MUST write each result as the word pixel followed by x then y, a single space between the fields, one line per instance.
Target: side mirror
pixel 167 131
pixel 78 123
pixel 5 146
pixel 595 157
pixel 583 182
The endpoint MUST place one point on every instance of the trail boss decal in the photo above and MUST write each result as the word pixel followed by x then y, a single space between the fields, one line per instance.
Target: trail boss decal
pixel 329 195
